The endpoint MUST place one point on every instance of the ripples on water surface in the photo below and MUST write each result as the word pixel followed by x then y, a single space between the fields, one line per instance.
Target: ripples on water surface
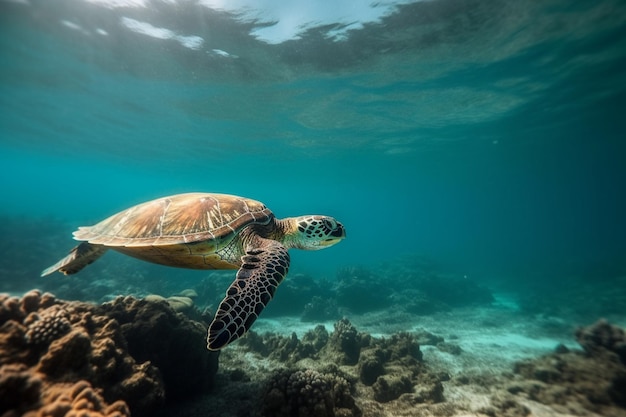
pixel 487 134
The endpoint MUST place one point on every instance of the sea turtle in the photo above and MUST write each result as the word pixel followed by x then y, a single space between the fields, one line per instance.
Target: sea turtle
pixel 209 231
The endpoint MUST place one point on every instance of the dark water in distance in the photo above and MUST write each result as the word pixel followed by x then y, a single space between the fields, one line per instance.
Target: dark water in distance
pixel 488 135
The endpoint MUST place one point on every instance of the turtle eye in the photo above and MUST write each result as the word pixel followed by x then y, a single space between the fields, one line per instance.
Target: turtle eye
pixel 330 224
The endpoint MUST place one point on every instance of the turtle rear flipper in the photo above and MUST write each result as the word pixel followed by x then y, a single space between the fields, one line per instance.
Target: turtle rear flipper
pixel 78 258
pixel 263 268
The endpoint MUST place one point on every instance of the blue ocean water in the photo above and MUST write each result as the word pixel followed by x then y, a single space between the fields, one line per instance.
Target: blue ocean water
pixel 485 135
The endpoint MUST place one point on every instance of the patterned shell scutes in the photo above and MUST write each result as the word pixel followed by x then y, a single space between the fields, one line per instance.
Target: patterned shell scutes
pixel 177 219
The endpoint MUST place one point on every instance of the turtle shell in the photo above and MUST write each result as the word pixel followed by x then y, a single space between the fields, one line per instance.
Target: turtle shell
pixel 178 219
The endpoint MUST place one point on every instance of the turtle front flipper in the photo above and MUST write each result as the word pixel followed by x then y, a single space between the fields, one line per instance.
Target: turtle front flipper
pixel 264 267
pixel 78 258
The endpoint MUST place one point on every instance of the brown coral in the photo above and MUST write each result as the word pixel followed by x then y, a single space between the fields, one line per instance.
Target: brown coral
pixel 386 369
pixel 155 333
pixel 75 359
pixel 10 309
pixel 18 385
pixel 308 393
pixel 45 327
pixel 77 400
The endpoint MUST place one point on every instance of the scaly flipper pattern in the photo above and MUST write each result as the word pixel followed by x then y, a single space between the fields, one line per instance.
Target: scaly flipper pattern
pixel 264 267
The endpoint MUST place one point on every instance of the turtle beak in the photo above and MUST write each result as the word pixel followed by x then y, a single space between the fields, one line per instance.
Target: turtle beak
pixel 329 242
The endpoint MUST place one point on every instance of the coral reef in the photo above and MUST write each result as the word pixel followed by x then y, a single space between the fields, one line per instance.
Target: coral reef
pixel 61 399
pixel 308 393
pixel 155 334
pixel 41 330
pixel 145 356
pixel 78 400
pixel 18 386
pixel 382 369
pixel 393 367
pixel 317 375
pixel 344 345
pixel 575 382
pixel 62 358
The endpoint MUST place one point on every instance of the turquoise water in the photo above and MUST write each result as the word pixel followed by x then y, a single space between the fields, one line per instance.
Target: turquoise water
pixel 488 136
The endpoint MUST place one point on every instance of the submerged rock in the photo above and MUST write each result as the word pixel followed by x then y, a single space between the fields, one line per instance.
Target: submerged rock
pixel 603 338
pixel 189 293
pixel 450 348
pixel 371 365
pixel 180 303
pixel 390 387
pixel 426 338
pixel 177 302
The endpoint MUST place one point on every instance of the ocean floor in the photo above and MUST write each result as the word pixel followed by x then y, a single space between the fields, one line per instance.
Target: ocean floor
pixel 479 352
pixel 147 357
pixel 492 338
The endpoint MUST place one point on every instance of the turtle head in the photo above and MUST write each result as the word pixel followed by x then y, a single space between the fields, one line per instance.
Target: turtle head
pixel 316 232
